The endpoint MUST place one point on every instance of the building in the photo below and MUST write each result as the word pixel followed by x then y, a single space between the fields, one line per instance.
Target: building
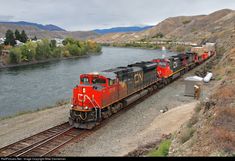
pixel 59 42
pixel 2 39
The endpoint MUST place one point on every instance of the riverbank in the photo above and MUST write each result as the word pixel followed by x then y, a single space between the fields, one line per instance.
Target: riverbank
pixel 2 66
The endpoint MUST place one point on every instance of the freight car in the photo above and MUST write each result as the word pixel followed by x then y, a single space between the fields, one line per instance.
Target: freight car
pixel 99 95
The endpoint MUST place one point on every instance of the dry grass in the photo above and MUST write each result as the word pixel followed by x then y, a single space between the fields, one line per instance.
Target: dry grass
pixel 224 129
pixel 186 134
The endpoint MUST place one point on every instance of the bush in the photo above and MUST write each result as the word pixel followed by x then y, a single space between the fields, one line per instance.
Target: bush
pixel 53 44
pixel 68 41
pixel 73 49
pixel 92 46
pixel 180 48
pixel 28 51
pixel 186 22
pixel 193 30
pixel 65 53
pixel 192 121
pixel 158 35
pixel 15 55
pixel 187 134
pixel 43 50
pixel 57 52
pixel 162 150
pixel 198 108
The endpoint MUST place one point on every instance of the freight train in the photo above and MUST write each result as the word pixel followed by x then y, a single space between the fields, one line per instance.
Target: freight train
pixel 101 94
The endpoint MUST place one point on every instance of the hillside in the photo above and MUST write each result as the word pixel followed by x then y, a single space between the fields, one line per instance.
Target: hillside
pixel 183 28
pixel 34 31
pixel 122 29
pixel 211 130
pixel 40 26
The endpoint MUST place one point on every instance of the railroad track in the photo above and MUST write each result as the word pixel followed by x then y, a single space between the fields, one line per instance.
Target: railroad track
pixel 43 143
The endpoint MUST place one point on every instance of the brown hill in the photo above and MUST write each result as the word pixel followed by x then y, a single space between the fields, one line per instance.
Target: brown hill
pixel 183 28
pixel 33 31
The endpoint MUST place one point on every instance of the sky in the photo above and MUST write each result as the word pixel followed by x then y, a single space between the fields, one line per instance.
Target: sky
pixel 84 15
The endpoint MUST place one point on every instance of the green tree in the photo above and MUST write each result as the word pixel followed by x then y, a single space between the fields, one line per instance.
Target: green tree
pixel 17 35
pixel 73 49
pixel 1 48
pixel 159 35
pixel 24 37
pixel 15 55
pixel 28 51
pixel 10 39
pixel 43 50
pixel 68 41
pixel 35 38
pixel 53 44
pixel 57 52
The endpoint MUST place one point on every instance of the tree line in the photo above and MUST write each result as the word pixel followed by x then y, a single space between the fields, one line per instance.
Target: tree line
pixel 47 49
pixel 11 37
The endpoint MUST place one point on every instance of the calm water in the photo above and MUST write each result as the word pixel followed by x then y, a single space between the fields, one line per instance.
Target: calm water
pixel 37 86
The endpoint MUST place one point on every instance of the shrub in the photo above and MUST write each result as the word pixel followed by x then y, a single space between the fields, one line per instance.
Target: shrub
pixel 28 51
pixel 198 108
pixel 180 48
pixel 65 53
pixel 193 30
pixel 162 150
pixel 192 121
pixel 53 44
pixel 15 55
pixel 158 35
pixel 57 52
pixel 43 50
pixel 68 41
pixel 187 134
pixel 92 46
pixel 186 22
pixel 73 49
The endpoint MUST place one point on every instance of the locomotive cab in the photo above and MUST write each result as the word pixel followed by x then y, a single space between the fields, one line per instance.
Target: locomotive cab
pixel 163 68
pixel 90 96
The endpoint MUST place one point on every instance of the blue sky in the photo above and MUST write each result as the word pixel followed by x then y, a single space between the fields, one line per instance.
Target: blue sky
pixel 83 15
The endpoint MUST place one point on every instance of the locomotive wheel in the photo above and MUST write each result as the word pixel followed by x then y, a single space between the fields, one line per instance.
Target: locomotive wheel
pixel 119 106
pixel 109 111
pixel 155 87
pixel 114 109
pixel 104 115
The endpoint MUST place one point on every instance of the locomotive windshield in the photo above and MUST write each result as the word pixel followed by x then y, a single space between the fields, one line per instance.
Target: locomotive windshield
pixel 162 64
pixel 85 80
pixel 98 81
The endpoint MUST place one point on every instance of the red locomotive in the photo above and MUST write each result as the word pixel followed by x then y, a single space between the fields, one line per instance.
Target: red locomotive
pixel 99 95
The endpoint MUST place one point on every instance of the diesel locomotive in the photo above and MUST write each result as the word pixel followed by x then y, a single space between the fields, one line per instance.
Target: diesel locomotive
pixel 101 94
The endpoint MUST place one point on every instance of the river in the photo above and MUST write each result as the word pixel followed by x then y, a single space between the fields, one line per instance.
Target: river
pixel 37 86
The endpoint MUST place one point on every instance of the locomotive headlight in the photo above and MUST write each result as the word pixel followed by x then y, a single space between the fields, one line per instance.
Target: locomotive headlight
pixel 83 90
